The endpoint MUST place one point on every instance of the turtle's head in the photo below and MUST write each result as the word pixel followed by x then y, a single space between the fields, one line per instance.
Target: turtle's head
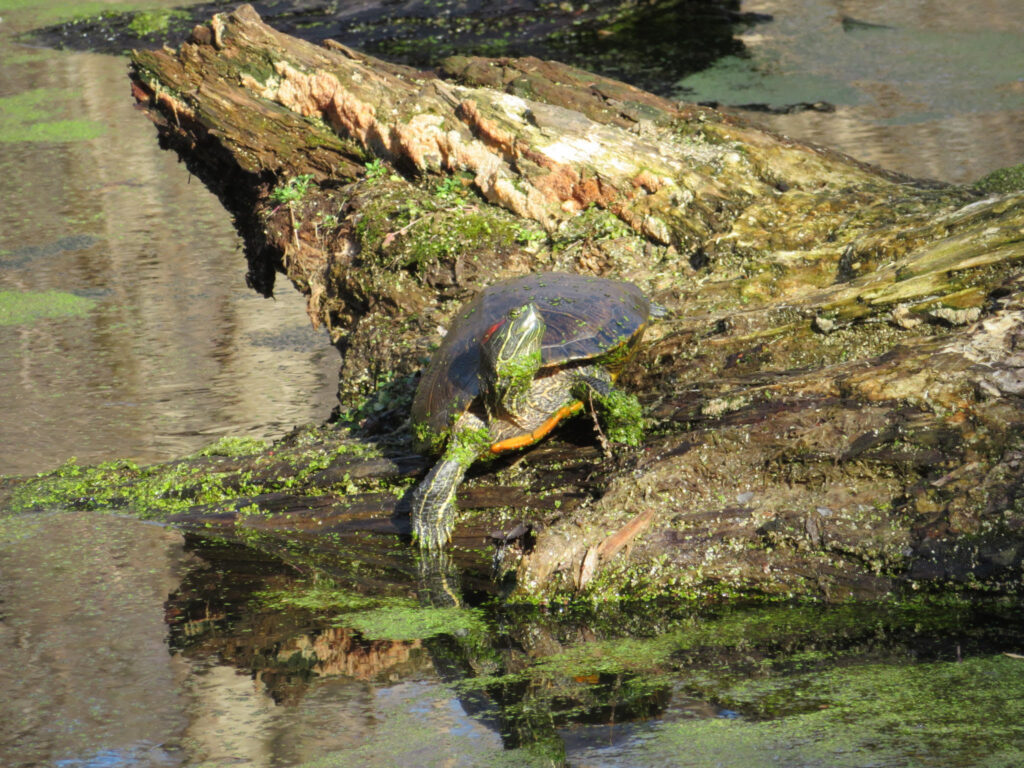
pixel 510 357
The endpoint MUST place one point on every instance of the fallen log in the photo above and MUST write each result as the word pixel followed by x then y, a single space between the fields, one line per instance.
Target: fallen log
pixel 834 399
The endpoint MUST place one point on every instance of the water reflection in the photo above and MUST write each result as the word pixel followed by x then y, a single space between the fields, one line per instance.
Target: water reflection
pixel 933 89
pixel 125 644
pixel 85 672
pixel 177 351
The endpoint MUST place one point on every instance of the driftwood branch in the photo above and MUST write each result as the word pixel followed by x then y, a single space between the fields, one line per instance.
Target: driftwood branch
pixel 835 397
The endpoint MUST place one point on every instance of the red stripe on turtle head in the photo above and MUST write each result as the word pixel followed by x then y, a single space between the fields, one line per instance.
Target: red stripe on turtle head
pixel 490 331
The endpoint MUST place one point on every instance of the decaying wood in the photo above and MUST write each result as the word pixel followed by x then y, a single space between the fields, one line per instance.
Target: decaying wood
pixel 835 396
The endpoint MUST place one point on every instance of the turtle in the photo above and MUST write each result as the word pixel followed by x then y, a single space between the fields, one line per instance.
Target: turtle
pixel 520 357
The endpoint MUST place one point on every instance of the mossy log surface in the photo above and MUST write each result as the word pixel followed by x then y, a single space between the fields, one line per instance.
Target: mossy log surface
pixel 835 398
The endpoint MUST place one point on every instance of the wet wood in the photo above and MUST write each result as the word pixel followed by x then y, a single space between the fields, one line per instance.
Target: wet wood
pixel 835 396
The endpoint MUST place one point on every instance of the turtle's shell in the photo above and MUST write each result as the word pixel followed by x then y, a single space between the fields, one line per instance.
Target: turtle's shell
pixel 586 318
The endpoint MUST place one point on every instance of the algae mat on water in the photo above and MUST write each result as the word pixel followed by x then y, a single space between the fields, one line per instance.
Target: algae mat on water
pixel 32 116
pixel 21 307
pixel 965 714
pixel 376 618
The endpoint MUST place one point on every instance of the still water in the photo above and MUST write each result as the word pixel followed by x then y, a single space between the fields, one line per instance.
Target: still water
pixel 932 88
pixel 167 349
pixel 126 330
pixel 123 644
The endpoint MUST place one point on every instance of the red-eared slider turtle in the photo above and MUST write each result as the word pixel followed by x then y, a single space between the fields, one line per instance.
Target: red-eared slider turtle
pixel 519 358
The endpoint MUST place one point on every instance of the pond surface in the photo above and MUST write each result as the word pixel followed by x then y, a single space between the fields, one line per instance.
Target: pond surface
pixel 932 89
pixel 126 645
pixel 146 343
pixel 126 330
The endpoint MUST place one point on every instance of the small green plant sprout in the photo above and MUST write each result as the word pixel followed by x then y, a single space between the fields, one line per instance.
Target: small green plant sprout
pixel 289 193
pixel 450 189
pixel 529 236
pixel 293 190
pixel 375 169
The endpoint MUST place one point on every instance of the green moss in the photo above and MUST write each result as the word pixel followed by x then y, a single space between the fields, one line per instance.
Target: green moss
pixel 468 445
pixel 18 308
pixel 1008 179
pixel 234 447
pixel 390 393
pixel 621 416
pixel 30 116
pixel 416 226
pixel 939 714
pixel 592 223
pixel 154 22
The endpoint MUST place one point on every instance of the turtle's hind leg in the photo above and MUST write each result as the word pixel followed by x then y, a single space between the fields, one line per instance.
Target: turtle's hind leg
pixel 622 415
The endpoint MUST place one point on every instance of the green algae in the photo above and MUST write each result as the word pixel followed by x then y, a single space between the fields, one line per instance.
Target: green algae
pixel 151 493
pixel 155 22
pixel 796 684
pixel 30 116
pixel 1010 179
pixel 375 618
pixel 413 622
pixel 741 80
pixel 319 596
pixel 778 638
pixel 234 447
pixel 24 307
pixel 946 714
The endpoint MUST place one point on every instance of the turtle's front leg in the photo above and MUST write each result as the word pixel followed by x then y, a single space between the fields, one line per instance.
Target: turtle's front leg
pixel 433 503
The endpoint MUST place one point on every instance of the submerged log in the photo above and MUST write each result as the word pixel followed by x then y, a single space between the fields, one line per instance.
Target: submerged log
pixel 835 397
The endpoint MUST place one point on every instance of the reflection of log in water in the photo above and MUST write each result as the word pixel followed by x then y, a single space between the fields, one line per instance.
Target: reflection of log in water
pixel 228 610
pixel 537 675
pixel 232 611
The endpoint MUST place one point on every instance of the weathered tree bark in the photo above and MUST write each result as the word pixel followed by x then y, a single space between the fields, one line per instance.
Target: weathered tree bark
pixel 835 397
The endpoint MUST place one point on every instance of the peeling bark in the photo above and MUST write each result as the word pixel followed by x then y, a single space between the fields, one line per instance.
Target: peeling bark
pixel 835 397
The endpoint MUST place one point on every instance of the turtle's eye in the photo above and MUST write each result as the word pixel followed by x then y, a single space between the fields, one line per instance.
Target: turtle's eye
pixel 490 331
